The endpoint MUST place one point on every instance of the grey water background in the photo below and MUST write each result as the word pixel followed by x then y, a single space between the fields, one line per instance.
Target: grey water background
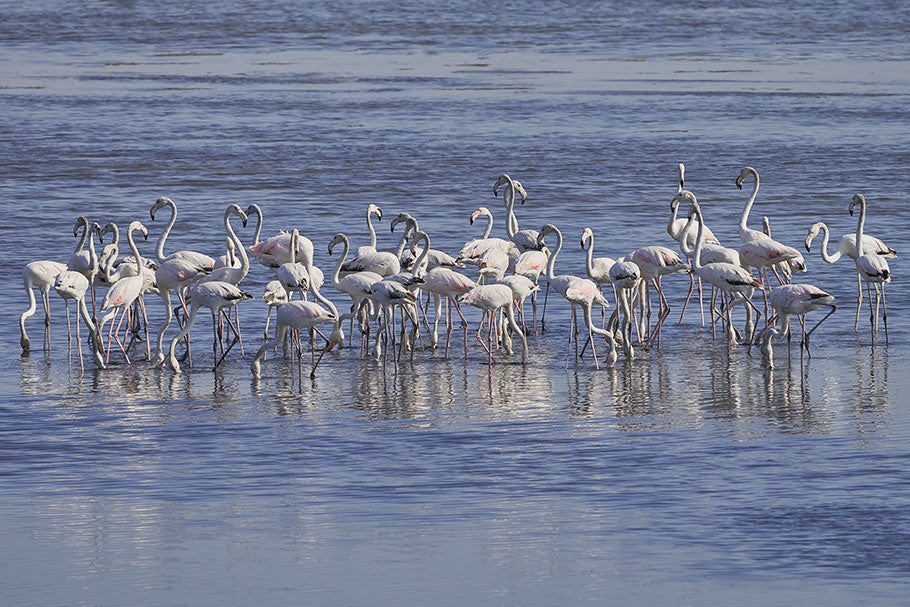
pixel 687 476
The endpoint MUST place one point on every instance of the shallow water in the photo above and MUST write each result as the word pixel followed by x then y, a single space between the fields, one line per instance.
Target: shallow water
pixel 690 475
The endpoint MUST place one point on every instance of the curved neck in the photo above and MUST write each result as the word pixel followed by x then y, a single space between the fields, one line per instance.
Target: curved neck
pixel 744 219
pixel 511 220
pixel 551 264
pixel 370 228
pixel 589 259
pixel 238 246
pixel 293 246
pixel 671 228
pixel 418 236
pixel 255 208
pixel 825 256
pixel 336 280
pixel 135 250
pixel 85 228
pixel 489 230
pixel 159 249
pixel 684 237
pixel 410 225
pixel 860 223
pixel 109 264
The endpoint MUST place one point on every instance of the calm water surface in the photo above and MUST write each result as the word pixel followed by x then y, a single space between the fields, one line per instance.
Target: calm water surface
pixel 689 475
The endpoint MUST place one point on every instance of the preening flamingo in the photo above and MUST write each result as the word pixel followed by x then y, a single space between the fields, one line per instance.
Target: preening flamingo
pixel 798 299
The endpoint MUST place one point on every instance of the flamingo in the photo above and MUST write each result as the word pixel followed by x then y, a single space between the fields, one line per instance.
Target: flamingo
pixel 676 227
pixel 274 296
pixel 73 285
pixel 799 299
pixel 579 292
pixel 368 258
pixel 388 294
pixel 473 250
pixel 199 259
pixel 491 299
pixel 356 285
pixel 85 261
pixel 231 274
pixel 216 296
pixel 41 275
pixel 292 275
pixel 729 278
pixel 654 262
pixel 297 315
pixel 711 253
pixel 758 250
pixel 277 250
pixel 522 287
pixel 872 268
pixel 597 269
pixel 123 293
pixel 445 282
pixel 847 246
pixel 525 240
pixel 625 277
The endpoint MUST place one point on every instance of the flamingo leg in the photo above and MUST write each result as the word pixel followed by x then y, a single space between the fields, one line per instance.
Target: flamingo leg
pixel 809 333
pixel 587 315
pixel 79 341
pixel 885 313
pixel 490 341
pixel 871 311
pixel 464 326
pixel 448 326
pixel 688 295
pixel 569 347
pixel 543 326
pixel 859 300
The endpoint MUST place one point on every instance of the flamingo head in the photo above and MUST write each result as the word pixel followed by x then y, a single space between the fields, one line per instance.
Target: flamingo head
pixel 547 229
pixel 80 222
pixel 519 189
pixel 160 203
pixel 374 210
pixel 501 181
pixel 407 218
pixel 481 212
pixel 585 235
pixel 745 172
pixel 236 210
pixel 137 226
pixel 253 209
pixel 813 232
pixel 688 196
pixel 338 239
pixel 858 199
pixel 110 227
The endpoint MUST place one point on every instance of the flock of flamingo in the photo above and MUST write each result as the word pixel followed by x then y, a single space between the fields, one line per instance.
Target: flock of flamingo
pixel 383 283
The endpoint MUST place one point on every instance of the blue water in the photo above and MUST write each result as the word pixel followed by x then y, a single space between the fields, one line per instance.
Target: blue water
pixel 691 475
